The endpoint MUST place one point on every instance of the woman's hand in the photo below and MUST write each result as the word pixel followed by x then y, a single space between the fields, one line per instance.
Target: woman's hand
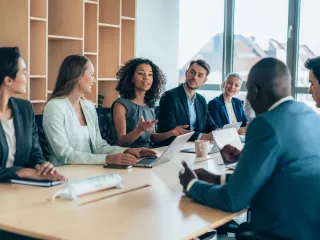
pixel 179 130
pixel 243 130
pixel 31 173
pixel 121 158
pixel 141 152
pixel 146 126
pixel 45 168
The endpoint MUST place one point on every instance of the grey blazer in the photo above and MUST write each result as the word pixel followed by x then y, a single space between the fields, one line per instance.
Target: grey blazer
pixel 61 125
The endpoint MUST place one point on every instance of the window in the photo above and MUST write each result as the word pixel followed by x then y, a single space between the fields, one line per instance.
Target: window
pixel 309 39
pixel 201 36
pixel 260 30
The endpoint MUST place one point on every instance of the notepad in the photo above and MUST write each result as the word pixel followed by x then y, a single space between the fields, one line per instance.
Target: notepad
pixel 38 183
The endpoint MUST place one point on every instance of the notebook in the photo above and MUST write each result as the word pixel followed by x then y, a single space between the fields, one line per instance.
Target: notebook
pixel 38 183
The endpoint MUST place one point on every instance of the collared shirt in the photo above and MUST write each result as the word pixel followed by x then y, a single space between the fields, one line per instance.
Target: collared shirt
pixel 192 109
pixel 223 177
pixel 282 100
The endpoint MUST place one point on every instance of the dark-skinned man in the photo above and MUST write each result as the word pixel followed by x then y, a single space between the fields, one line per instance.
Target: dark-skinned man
pixel 278 174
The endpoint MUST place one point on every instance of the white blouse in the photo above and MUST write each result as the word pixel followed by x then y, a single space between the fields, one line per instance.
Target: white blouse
pixel 231 114
pixel 8 128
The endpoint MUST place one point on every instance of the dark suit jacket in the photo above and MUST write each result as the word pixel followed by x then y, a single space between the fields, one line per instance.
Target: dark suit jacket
pixel 278 175
pixel 219 114
pixel 174 111
pixel 28 150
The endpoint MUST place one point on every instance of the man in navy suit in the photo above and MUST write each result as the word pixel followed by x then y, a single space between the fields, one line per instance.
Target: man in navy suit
pixel 278 174
pixel 183 106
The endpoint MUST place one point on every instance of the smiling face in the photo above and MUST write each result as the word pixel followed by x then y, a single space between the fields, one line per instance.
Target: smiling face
pixel 143 77
pixel 196 76
pixel 314 88
pixel 86 81
pixel 19 84
pixel 232 86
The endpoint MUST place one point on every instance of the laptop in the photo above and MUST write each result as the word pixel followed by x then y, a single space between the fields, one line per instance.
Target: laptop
pixel 167 155
pixel 227 136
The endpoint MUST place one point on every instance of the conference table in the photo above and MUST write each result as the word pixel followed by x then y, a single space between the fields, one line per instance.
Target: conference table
pixel 151 205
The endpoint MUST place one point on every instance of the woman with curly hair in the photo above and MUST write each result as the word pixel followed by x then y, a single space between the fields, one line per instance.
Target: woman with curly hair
pixel 140 84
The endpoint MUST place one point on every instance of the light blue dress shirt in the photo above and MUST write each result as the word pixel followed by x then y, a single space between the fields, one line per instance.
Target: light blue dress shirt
pixel 192 110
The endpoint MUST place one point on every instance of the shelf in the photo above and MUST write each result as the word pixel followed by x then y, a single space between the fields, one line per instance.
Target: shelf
pixel 128 18
pixel 91 28
pixel 37 19
pixel 66 18
pixel 93 95
pixel 108 90
pixel 38 9
pixel 129 8
pixel 56 37
pixel 107 79
pixel 109 25
pixel 38 89
pixel 14 26
pixel 127 40
pixel 38 48
pixel 91 53
pixel 91 2
pixel 109 44
pixel 57 51
pixel 109 11
pixel 38 101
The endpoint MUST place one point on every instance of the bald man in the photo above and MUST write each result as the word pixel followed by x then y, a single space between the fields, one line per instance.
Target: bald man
pixel 278 174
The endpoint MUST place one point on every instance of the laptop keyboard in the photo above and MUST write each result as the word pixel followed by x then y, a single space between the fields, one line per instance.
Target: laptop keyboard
pixel 147 161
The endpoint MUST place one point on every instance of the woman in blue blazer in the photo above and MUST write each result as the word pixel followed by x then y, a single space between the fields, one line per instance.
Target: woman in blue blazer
pixel 20 152
pixel 227 109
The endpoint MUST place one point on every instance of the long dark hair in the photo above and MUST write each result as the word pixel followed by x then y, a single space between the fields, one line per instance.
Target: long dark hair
pixel 71 69
pixel 9 58
pixel 126 87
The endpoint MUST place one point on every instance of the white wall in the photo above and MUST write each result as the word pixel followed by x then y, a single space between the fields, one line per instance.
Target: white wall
pixel 157 35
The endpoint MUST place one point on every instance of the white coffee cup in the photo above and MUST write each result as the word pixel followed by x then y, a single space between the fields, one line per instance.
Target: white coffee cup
pixel 202 148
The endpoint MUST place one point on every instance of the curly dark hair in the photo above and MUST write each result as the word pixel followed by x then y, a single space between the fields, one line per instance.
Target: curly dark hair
pixel 126 87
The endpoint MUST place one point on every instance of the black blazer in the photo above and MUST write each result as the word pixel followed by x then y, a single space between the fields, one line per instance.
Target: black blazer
pixel 28 150
pixel 174 111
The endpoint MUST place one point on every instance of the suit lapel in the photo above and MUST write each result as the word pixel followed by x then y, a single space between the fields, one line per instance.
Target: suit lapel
pixel 183 99
pixel 224 108
pixel 199 113
pixel 18 123
pixel 4 146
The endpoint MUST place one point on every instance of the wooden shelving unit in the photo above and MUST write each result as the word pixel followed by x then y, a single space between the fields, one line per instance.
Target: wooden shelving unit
pixel 46 31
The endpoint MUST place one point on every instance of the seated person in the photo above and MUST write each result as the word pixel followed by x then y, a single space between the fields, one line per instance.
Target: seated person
pixel 183 106
pixel 21 155
pixel 71 122
pixel 140 83
pixel 278 173
pixel 314 78
pixel 248 110
pixel 227 109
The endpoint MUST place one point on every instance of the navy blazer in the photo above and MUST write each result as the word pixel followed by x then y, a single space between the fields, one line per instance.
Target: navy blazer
pixel 219 114
pixel 174 111
pixel 28 150
pixel 278 175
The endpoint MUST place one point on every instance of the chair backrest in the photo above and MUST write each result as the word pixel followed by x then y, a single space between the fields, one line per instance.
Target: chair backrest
pixel 106 125
pixel 44 144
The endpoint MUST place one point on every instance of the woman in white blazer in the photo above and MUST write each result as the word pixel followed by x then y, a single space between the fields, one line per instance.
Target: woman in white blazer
pixel 71 122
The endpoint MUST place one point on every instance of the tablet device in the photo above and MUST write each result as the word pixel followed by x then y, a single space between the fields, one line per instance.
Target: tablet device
pixel 38 183
pixel 117 166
